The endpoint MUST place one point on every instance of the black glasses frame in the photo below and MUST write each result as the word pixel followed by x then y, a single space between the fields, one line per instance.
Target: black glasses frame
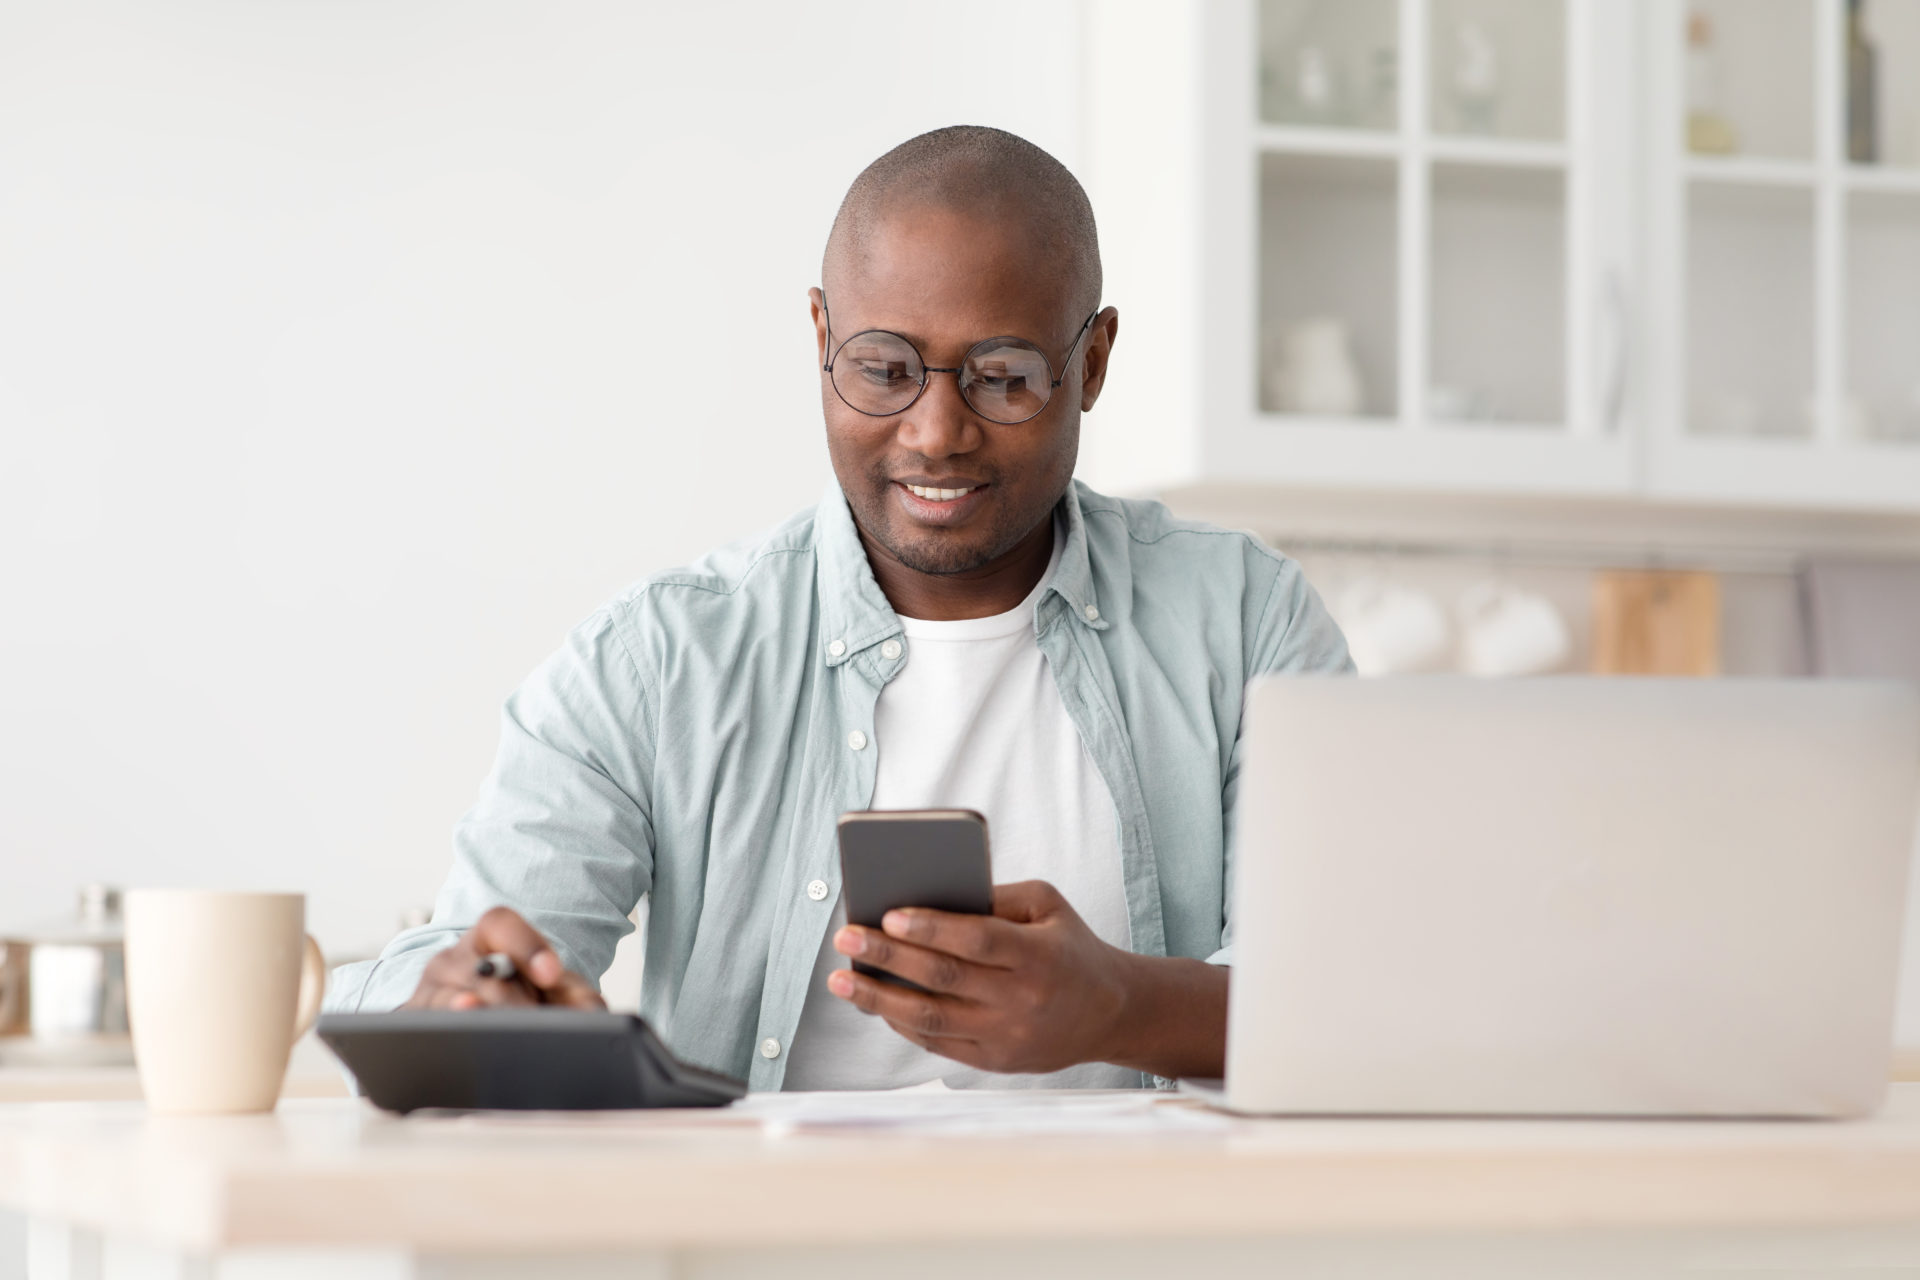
pixel 927 371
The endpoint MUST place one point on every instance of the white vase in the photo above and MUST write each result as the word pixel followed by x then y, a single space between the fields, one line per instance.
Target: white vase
pixel 1315 373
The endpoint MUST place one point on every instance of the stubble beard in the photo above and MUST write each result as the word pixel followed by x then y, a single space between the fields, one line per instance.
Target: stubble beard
pixel 936 552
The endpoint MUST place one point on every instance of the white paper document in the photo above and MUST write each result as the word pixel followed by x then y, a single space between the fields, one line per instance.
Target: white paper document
pixel 937 1109
pixel 924 1109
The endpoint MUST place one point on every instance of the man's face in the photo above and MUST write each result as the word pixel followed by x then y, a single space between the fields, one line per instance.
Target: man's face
pixel 944 280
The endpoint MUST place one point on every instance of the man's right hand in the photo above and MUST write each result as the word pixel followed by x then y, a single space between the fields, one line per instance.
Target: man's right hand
pixel 451 983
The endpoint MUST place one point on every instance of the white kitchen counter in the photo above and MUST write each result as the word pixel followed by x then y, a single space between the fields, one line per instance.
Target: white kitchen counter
pixel 312 1072
pixel 336 1187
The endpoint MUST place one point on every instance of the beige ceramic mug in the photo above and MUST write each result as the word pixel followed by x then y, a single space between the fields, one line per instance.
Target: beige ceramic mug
pixel 219 986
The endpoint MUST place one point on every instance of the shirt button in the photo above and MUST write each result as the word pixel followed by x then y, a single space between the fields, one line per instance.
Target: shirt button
pixel 837 648
pixel 890 650
pixel 769 1048
pixel 817 890
pixel 1093 613
pixel 857 740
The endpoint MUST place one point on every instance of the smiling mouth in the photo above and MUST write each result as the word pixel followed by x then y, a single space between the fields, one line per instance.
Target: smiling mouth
pixel 929 493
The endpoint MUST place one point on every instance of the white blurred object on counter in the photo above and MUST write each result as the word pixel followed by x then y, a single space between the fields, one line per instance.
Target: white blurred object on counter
pixel 63 987
pixel 1505 631
pixel 1391 629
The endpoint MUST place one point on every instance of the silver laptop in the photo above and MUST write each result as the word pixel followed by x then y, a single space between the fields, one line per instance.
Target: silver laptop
pixel 1570 896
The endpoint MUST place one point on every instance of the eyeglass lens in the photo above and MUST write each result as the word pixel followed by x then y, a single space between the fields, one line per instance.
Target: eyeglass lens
pixel 1005 380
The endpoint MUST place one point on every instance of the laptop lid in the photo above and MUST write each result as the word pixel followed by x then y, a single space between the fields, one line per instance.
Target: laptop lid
pixel 1570 896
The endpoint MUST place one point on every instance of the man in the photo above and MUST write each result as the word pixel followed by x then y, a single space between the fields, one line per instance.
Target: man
pixel 957 625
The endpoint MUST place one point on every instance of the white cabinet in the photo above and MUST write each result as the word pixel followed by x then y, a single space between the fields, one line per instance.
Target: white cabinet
pixel 1396 191
pixel 1785 325
pixel 1463 246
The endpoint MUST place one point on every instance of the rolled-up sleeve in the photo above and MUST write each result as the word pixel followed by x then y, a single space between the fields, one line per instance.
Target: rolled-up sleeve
pixel 562 831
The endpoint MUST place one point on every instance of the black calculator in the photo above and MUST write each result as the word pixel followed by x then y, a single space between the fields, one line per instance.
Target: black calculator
pixel 532 1059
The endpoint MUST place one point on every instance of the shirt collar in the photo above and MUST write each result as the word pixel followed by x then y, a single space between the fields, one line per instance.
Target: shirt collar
pixel 854 613
pixel 1073 578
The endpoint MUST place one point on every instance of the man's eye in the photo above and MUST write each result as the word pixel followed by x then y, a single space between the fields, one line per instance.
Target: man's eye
pixel 1011 385
pixel 884 373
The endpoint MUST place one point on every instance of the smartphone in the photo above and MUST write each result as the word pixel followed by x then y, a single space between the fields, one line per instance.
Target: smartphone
pixel 913 858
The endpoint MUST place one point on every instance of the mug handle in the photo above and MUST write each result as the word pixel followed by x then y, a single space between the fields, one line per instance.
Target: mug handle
pixel 313 985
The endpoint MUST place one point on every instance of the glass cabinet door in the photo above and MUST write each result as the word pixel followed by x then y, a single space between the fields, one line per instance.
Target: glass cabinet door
pixel 1329 285
pixel 1330 65
pixel 1497 296
pixel 1427 222
pixel 1750 124
pixel 1751 299
pixel 1880 319
pixel 1497 69
pixel 1788 153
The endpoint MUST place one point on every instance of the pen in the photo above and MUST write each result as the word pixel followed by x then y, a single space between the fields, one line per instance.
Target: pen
pixel 496 964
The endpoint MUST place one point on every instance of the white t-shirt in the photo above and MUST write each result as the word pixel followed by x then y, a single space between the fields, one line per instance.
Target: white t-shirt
pixel 974 721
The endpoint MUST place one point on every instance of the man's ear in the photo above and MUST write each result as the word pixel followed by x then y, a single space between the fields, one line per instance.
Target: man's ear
pixel 1098 351
pixel 817 299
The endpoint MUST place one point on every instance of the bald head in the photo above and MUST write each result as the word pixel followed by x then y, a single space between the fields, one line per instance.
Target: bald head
pixel 979 172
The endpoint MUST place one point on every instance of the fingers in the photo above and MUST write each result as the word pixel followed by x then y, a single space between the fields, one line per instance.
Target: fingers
pixel 450 980
pixel 966 1052
pixel 574 992
pixel 493 993
pixel 502 929
pixel 984 940
pixel 928 1017
pixel 447 982
pixel 934 970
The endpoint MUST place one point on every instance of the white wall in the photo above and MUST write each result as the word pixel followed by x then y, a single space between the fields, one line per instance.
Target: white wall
pixel 333 350
pixel 1142 100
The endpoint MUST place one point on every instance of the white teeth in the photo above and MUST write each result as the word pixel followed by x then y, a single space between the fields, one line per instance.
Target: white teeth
pixel 938 495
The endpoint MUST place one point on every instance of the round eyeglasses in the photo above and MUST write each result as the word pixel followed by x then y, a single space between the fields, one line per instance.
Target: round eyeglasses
pixel 1004 380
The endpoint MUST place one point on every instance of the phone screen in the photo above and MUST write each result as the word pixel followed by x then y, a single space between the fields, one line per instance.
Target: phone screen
pixel 933 858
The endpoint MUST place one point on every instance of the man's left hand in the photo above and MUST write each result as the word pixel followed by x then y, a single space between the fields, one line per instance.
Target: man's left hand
pixel 1029 989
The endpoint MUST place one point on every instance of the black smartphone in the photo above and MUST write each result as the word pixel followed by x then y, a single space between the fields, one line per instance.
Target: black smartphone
pixel 913 858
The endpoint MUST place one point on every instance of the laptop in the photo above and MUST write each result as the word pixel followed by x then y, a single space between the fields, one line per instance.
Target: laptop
pixel 1569 896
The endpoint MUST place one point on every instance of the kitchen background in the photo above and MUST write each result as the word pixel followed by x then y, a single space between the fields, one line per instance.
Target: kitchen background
pixel 1551 335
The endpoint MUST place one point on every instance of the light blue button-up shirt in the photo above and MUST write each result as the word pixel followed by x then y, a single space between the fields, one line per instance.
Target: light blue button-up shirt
pixel 696 739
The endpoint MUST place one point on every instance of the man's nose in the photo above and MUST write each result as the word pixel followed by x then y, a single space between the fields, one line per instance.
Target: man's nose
pixel 940 423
